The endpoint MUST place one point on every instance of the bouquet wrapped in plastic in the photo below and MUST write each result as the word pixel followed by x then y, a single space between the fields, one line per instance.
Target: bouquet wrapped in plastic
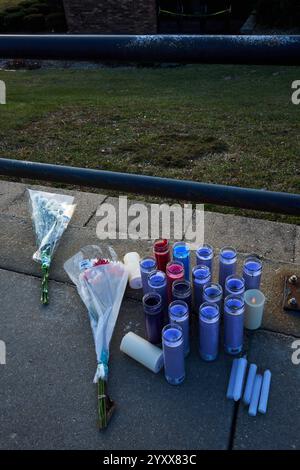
pixel 101 282
pixel 51 214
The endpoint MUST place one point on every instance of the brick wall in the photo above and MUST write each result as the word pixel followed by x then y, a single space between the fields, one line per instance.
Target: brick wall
pixel 111 16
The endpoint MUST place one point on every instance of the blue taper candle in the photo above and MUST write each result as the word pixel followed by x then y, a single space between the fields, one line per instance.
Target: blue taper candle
pixel 240 378
pixel 265 390
pixel 255 395
pixel 250 384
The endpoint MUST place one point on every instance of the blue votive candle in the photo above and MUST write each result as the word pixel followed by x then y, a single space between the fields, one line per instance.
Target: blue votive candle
pixel 234 285
pixel 201 276
pixel 182 290
pixel 213 294
pixel 147 265
pixel 179 313
pixel 227 264
pixel 154 317
pixel 157 282
pixel 181 252
pixel 173 349
pixel 205 256
pixel 209 331
pixel 234 308
pixel 252 273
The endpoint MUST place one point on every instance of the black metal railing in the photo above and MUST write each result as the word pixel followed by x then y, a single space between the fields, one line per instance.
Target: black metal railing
pixel 168 48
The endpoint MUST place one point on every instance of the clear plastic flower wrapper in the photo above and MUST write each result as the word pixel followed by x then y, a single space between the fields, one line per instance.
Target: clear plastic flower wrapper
pixel 101 282
pixel 51 214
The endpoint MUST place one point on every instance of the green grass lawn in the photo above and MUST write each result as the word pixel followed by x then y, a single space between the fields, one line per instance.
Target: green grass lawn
pixel 232 125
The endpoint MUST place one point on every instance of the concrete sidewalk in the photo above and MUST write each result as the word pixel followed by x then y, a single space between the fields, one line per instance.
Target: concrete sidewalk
pixel 47 399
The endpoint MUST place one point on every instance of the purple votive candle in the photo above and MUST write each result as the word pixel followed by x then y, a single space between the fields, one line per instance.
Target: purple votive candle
pixel 179 313
pixel 147 265
pixel 234 285
pixel 227 264
pixel 234 309
pixel 182 290
pixel 154 317
pixel 252 273
pixel 209 331
pixel 205 256
pixel 173 350
pixel 213 294
pixel 201 276
pixel 157 282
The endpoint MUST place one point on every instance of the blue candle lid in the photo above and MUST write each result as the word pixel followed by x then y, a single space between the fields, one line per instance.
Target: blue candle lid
pixel 148 263
pixel 201 272
pixel 157 279
pixel 209 311
pixel 178 308
pixel 205 251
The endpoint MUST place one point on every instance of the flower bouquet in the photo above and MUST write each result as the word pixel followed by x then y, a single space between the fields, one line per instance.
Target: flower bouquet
pixel 101 282
pixel 51 214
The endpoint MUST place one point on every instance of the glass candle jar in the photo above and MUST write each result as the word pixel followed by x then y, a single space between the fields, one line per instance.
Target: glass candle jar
pixel 179 313
pixel 161 250
pixel 234 285
pixel 173 349
pixel 227 264
pixel 182 290
pixel 205 256
pixel 175 272
pixel 234 308
pixel 147 265
pixel 209 331
pixel 153 310
pixel 213 294
pixel 181 252
pixel 252 273
pixel 157 282
pixel 201 275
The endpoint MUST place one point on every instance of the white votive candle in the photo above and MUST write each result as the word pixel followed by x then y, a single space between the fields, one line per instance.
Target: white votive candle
pixel 132 264
pixel 142 351
pixel 254 308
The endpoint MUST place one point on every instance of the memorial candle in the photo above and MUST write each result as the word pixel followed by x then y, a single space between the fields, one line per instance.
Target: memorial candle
pixel 175 272
pixel 181 252
pixel 205 256
pixel 173 349
pixel 147 265
pixel 227 264
pixel 201 276
pixel 157 283
pixel 182 290
pixel 209 330
pixel 254 308
pixel 234 308
pixel 252 273
pixel 234 285
pixel 179 313
pixel 161 250
pixel 213 294
pixel 153 311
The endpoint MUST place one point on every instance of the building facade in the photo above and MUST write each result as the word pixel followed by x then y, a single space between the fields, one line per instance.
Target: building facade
pixel 111 16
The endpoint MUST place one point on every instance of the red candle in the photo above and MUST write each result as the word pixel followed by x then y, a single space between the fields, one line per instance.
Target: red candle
pixel 175 272
pixel 161 250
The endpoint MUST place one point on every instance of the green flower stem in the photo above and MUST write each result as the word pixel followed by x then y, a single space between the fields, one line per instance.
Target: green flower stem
pixel 102 404
pixel 45 278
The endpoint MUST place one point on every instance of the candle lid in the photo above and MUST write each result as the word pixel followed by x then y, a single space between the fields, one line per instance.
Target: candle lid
pixel 201 271
pixel 205 251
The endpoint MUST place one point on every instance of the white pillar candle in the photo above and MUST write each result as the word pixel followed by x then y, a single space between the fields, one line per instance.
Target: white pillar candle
pixel 142 351
pixel 254 308
pixel 132 264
